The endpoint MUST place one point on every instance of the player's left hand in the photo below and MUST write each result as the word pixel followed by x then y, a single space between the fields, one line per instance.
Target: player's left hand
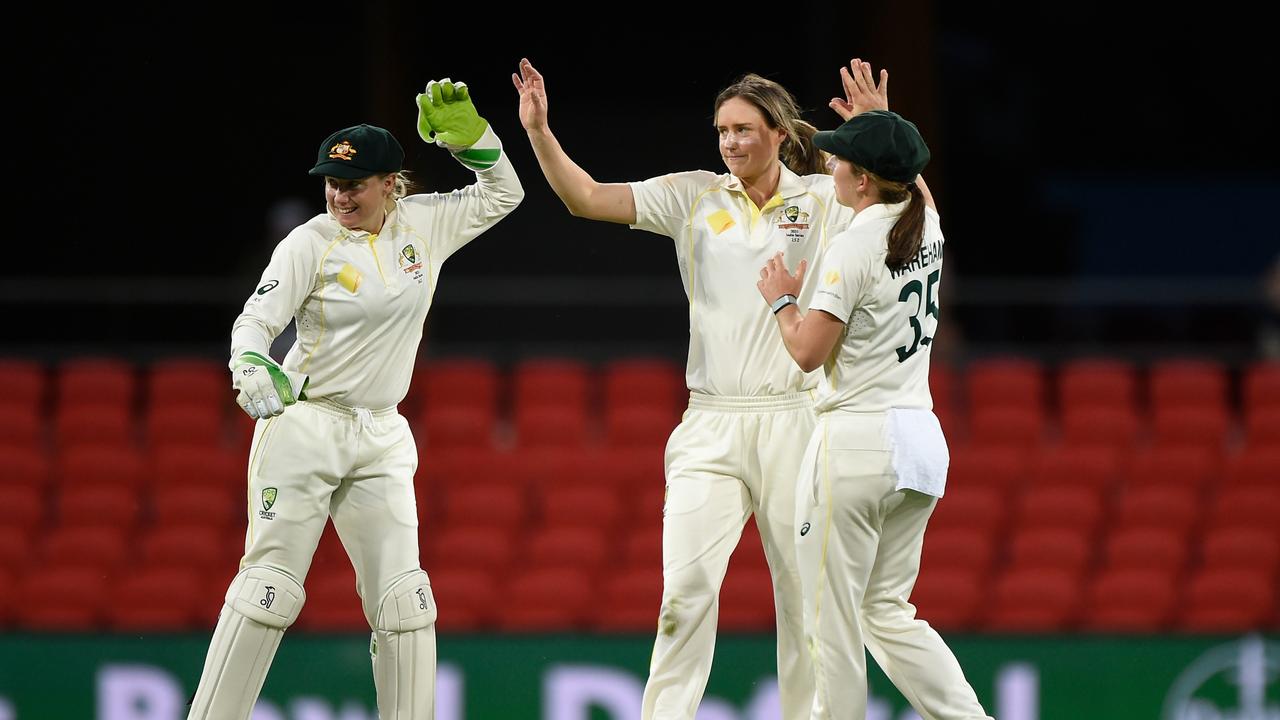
pixel 445 109
pixel 776 281
pixel 861 93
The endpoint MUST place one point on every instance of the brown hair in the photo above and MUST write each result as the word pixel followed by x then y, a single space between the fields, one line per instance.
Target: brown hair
pixel 780 112
pixel 907 233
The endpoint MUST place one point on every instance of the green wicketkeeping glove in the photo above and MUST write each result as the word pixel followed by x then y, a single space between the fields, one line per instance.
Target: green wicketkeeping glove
pixel 265 388
pixel 446 109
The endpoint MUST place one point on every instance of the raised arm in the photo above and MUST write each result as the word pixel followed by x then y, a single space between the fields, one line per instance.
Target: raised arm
pixel 862 93
pixel 581 194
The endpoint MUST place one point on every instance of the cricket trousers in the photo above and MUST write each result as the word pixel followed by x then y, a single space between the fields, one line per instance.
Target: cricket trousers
pixel 858 549
pixel 730 457
pixel 316 461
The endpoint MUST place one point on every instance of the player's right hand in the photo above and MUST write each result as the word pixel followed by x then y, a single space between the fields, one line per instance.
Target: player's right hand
pixel 265 388
pixel 533 96
pixel 861 93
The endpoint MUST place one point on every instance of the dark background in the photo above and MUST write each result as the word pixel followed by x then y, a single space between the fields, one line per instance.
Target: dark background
pixel 1105 174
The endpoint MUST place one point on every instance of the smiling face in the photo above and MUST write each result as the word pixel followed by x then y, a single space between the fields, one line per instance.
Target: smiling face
pixel 359 204
pixel 748 145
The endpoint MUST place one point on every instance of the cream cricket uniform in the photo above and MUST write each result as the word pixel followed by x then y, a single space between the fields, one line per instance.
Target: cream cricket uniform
pixel 360 300
pixel 872 473
pixel 737 450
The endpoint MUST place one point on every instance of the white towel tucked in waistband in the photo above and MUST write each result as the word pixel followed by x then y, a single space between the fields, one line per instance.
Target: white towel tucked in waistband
pixel 920 456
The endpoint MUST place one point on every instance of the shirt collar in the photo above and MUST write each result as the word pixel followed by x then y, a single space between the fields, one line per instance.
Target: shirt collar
pixel 789 184
pixel 878 211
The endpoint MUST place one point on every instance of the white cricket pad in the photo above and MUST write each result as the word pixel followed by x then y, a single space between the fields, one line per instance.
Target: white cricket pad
pixel 260 604
pixel 404 650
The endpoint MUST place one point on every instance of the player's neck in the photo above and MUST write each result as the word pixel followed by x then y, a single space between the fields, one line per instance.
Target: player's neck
pixel 763 187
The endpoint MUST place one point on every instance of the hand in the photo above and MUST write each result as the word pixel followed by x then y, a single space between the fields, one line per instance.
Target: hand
pixel 860 90
pixel 533 96
pixel 445 109
pixel 775 281
pixel 265 388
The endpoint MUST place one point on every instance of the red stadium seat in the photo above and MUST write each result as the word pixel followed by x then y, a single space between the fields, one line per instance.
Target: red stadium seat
pixel 100 547
pixel 160 599
pixel 1097 383
pixel 1242 548
pixel 455 426
pixel 643 548
pixel 1115 427
pixel 546 599
pixel 97 505
pixel 1008 382
pixel 1189 466
pixel 95 381
pixel 26 385
pixel 1176 508
pixel 629 469
pixel 1071 507
pixel 332 602
pixel 596 506
pixel 1261 388
pixel 195 505
pixel 1146 548
pixel 26 466
pixel 1033 600
pixel 575 547
pixel 70 599
pixel 454 382
pixel 21 427
pixel 647 505
pixel 200 548
pixel 21 506
pixel 100 466
pixel 653 383
pixel 1088 466
pixel 949 598
pixel 543 468
pixel 1129 601
pixel 551 382
pixel 1229 600
pixel 17 547
pixel 746 598
pixel 1002 467
pixel 630 600
pixel 189 381
pixel 1050 548
pixel 503 505
pixel 467 597
pixel 1191 425
pixel 105 425
pixel 1019 427
pixel 198 465
pixel 551 426
pixel 186 425
pixel 639 426
pixel 1187 383
pixel 1249 506
pixel 1262 427
pixel 983 508
pixel 488 548
pixel 958 548
pixel 1254 466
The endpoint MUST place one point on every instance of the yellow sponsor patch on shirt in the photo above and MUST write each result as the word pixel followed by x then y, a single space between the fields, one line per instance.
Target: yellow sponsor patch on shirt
pixel 833 277
pixel 349 278
pixel 720 221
